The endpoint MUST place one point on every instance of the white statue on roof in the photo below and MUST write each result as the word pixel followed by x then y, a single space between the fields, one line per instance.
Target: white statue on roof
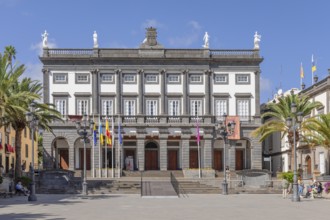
pixel 256 40
pixel 96 44
pixel 44 39
pixel 206 40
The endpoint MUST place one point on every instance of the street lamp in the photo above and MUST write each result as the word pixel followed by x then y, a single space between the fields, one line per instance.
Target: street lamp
pixel 82 131
pixel 294 123
pixel 225 131
pixel 33 121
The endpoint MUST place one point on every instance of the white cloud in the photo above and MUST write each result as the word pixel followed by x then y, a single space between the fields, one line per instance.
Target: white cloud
pixel 193 36
pixel 38 46
pixel 265 85
pixel 33 70
pixel 152 23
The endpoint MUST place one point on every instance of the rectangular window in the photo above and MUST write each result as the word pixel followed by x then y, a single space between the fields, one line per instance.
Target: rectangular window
pixel 13 142
pixel 243 109
pixel 195 79
pixel 242 78
pixel 82 78
pixel 107 78
pixel 25 132
pixel 152 107
pixel 129 78
pixel 220 107
pixel 60 78
pixel 173 107
pixel 196 107
pixel 174 78
pixel 26 150
pixel 60 105
pixel 151 78
pixel 129 107
pixel 107 107
pixel 221 78
pixel 82 107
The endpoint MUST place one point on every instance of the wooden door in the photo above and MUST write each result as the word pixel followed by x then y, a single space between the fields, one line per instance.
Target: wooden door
pixel 239 159
pixel 64 158
pixel 151 160
pixel 217 160
pixel 172 159
pixel 88 158
pixel 193 158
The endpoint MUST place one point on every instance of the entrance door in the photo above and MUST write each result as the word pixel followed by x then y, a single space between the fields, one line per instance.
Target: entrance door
pixel 88 158
pixel 151 160
pixel 217 159
pixel 193 158
pixel 239 159
pixel 309 166
pixel 172 159
pixel 64 158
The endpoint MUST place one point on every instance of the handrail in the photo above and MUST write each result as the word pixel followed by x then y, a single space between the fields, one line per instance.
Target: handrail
pixel 175 184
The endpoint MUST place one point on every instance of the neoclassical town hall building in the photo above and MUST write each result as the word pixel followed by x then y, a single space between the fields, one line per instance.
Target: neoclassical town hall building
pixel 156 95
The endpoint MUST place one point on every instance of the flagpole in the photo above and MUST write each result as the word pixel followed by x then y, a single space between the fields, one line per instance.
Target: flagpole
pixel 106 147
pixel 199 161
pixel 93 153
pixel 100 133
pixel 119 133
pixel 112 145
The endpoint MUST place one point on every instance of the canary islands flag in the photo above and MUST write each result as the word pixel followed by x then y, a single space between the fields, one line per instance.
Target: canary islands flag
pixel 313 65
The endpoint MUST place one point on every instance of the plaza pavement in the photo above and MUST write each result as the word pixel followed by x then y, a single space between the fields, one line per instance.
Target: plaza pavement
pixel 133 207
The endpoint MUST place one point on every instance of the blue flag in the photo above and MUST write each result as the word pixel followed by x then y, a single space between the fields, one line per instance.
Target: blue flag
pixel 119 134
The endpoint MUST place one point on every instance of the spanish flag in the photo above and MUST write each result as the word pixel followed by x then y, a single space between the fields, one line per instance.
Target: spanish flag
pixel 301 71
pixel 313 65
pixel 107 133
pixel 101 133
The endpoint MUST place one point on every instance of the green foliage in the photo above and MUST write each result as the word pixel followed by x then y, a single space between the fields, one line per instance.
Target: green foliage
pixel 25 180
pixel 287 176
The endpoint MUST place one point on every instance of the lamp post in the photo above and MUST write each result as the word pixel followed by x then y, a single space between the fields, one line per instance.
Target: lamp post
pixel 82 131
pixel 225 131
pixel 33 121
pixel 294 123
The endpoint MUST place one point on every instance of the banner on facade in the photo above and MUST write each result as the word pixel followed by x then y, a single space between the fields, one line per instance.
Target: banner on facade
pixel 236 135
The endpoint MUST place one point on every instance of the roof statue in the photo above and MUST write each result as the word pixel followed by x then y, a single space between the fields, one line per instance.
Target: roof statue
pixel 256 40
pixel 206 40
pixel 96 45
pixel 44 39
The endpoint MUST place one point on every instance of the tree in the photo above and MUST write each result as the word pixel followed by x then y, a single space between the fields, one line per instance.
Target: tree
pixel 317 131
pixel 10 53
pixel 279 111
pixel 45 113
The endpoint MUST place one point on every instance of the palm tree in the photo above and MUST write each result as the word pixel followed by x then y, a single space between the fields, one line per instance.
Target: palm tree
pixel 10 53
pixel 8 78
pixel 45 113
pixel 279 111
pixel 318 130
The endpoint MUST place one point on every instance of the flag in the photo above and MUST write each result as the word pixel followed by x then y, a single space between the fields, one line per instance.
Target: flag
pixel 197 132
pixel 120 139
pixel 101 133
pixel 301 71
pixel 94 133
pixel 313 65
pixel 107 133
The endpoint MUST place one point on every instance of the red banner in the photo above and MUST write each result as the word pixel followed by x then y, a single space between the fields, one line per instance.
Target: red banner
pixel 237 132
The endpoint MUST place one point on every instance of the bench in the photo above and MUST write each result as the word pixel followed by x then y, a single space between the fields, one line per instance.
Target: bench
pixel 4 194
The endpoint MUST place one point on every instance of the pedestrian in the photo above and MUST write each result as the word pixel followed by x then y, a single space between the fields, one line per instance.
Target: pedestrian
pixel 284 188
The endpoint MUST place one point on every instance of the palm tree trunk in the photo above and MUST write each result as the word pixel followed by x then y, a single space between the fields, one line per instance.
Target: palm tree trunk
pixel 18 150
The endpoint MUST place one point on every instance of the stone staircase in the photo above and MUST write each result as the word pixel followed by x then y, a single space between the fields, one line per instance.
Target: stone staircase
pixel 114 187
pixel 195 187
pixel 152 173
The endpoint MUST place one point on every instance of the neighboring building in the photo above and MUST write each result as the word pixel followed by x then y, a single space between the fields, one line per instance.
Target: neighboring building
pixel 310 161
pixel 157 95
pixel 8 146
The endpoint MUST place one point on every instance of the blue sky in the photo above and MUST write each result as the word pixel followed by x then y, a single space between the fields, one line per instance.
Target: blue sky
pixel 291 30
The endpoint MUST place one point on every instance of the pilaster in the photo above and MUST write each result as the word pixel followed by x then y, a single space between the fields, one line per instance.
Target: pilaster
pixel 207 153
pixel 95 91
pixel 163 152
pixel 185 91
pixel 46 84
pixel 163 109
pixel 141 91
pixel 118 91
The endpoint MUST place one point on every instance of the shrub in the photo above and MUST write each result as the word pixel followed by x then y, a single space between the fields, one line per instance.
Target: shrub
pixel 287 176
pixel 25 180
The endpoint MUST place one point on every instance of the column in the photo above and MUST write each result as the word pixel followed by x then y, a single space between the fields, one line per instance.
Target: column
pixel 185 91
pixel 46 85
pixel 163 152
pixel 95 91
pixel 140 152
pixel 207 92
pixel 185 151
pixel 163 109
pixel 207 152
pixel 141 91
pixel 118 91
pixel 256 154
pixel 257 89
pixel 231 156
